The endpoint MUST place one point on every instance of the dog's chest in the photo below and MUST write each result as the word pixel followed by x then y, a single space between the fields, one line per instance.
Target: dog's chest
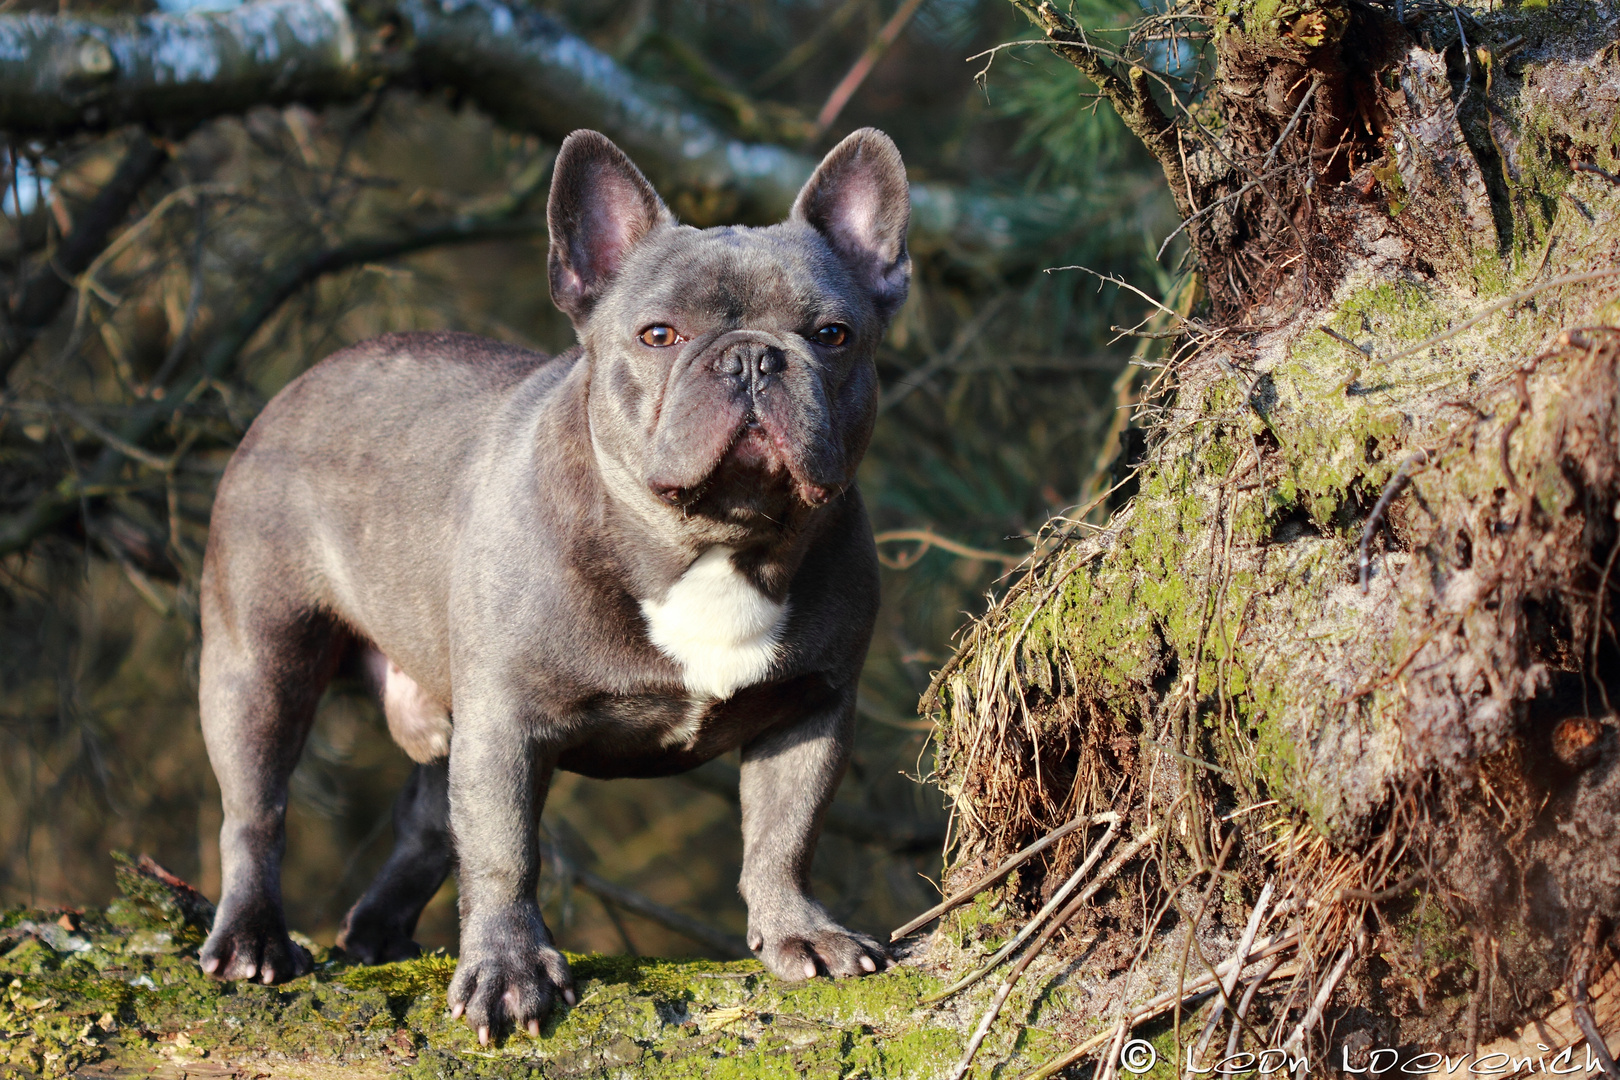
pixel 722 632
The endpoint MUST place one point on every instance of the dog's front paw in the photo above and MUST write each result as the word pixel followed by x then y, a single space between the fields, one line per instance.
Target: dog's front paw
pixel 509 972
pixel 817 946
pixel 248 947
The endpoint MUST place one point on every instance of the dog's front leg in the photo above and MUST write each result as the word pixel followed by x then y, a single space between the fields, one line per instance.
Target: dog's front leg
pixel 509 969
pixel 788 779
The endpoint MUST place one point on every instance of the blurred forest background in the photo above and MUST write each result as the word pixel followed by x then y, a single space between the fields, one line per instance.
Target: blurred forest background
pixel 1002 388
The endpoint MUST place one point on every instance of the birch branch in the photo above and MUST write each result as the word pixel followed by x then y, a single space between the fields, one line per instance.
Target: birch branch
pixel 62 74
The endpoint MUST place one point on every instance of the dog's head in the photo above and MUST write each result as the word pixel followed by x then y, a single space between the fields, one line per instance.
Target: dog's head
pixel 732 381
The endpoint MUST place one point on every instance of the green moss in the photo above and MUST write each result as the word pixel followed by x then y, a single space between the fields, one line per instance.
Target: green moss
pixel 427 974
pixel 100 999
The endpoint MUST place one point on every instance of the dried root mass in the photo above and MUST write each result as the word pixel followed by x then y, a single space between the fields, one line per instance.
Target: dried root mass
pixel 1350 650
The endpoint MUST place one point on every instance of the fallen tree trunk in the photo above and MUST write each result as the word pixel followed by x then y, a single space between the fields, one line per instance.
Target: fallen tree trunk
pixel 63 74
pixel 119 993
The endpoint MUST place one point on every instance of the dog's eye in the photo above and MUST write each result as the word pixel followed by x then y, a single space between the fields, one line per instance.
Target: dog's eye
pixel 832 335
pixel 659 337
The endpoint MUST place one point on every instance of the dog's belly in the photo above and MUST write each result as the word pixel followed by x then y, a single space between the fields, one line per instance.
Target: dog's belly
pixel 664 734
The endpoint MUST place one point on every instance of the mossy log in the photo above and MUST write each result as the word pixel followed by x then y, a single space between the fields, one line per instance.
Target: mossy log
pixel 1352 633
pixel 119 993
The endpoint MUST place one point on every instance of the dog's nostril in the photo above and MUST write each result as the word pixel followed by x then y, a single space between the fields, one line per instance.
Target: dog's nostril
pixel 771 363
pixel 730 365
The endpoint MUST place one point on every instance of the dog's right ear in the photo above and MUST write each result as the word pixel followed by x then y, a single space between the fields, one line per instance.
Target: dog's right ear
pixel 600 207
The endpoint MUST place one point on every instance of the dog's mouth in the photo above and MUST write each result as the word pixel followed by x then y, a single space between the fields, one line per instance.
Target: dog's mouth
pixel 747 429
pixel 755 473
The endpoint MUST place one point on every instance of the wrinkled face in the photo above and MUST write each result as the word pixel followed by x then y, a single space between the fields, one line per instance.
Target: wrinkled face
pixel 734 367
pixel 732 379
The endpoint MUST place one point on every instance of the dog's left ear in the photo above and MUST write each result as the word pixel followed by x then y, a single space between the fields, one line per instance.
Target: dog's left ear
pixel 600 207
pixel 858 200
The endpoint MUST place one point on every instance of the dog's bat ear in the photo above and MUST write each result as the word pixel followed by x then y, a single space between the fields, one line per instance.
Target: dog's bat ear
pixel 600 207
pixel 858 200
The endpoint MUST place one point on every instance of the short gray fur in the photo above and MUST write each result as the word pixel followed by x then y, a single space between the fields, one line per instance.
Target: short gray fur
pixel 494 522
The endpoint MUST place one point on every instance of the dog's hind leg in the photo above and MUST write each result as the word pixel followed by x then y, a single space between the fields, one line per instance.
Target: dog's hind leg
pixel 378 929
pixel 262 673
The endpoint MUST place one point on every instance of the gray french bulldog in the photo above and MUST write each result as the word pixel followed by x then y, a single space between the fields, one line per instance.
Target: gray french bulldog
pixel 621 561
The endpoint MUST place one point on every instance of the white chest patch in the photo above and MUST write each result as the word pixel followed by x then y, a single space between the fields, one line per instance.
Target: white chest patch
pixel 723 632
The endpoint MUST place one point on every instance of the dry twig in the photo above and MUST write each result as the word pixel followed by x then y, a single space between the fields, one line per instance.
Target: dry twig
pixel 968 892
pixel 1417 460
pixel 1052 905
pixel 1164 1002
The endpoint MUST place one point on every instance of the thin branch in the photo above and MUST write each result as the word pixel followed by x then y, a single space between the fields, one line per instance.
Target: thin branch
pixel 966 335
pixel 1181 320
pixel 1313 1016
pixel 805 50
pixel 1584 956
pixel 1222 201
pixel 1129 94
pixel 1491 309
pixel 927 539
pixel 1414 462
pixel 627 899
pixel 36 304
pixel 1400 888
pixel 863 65
pixel 20 530
pixel 1126 854
pixel 968 892
pixel 1229 983
pixel 1587 167
pixel 1240 1015
pixel 1164 1002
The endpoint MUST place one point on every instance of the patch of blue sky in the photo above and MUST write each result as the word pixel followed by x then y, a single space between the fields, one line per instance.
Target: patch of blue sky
pixel 186 7
pixel 25 190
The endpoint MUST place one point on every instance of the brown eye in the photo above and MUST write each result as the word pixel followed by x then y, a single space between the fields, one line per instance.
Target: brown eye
pixel 832 335
pixel 659 337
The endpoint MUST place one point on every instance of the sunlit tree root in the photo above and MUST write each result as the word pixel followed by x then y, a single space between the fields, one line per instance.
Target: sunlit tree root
pixel 1413 367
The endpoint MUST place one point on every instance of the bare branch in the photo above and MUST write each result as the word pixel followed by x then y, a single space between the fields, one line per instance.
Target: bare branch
pixel 60 75
pixel 50 508
pixel 1128 93
pixel 42 295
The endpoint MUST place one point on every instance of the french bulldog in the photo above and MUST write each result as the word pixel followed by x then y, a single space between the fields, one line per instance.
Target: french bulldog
pixel 624 560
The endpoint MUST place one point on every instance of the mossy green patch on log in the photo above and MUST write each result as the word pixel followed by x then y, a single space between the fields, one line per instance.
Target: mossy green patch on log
pixel 118 992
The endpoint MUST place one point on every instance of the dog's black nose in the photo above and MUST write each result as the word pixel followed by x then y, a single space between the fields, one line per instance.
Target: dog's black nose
pixel 751 359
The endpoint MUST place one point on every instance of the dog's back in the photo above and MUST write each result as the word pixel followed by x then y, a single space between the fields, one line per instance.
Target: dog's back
pixel 350 482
